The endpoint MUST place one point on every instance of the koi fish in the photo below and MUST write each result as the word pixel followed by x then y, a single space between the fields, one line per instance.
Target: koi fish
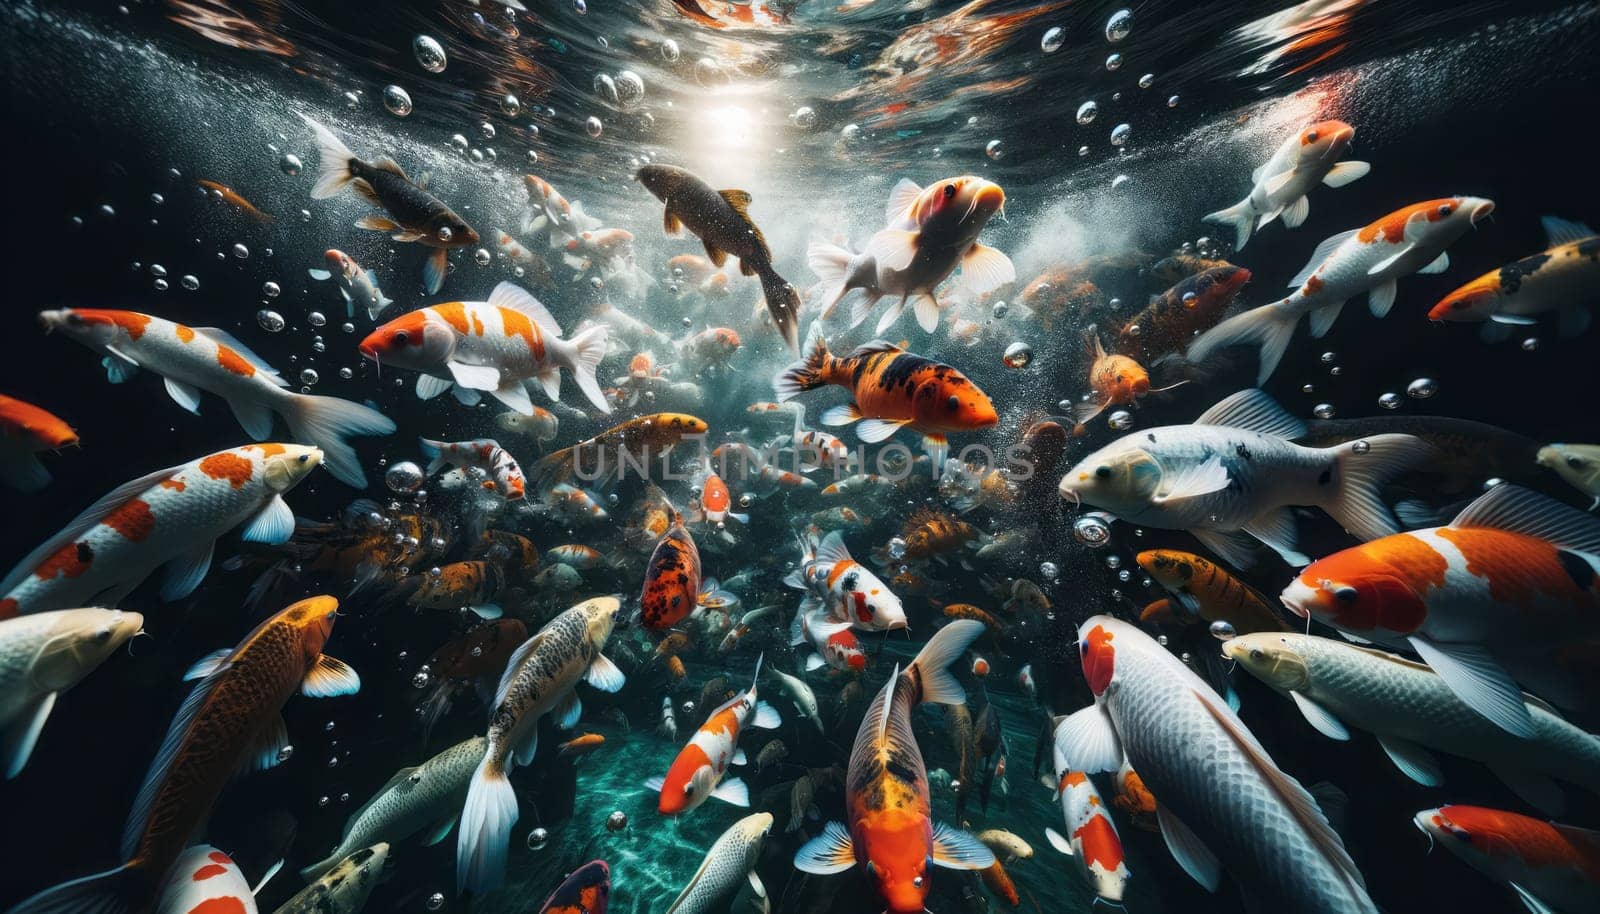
pixel 1303 161
pixel 1171 320
pixel 1203 589
pixel 1114 380
pixel 891 831
pixel 195 359
pixel 1232 474
pixel 697 772
pixel 892 389
pixel 730 861
pixel 230 722
pixel 233 198
pixel 1550 866
pixel 929 233
pixel 715 503
pixel 414 214
pixel 542 425
pixel 43 655
pixel 709 349
pixel 721 219
pixel 736 634
pixel 1367 260
pixel 549 211
pixel 171 517
pixel 602 457
pixel 540 678
pixel 799 693
pixel 486 454
pixel 474 585
pixel 1578 464
pixel 355 284
pixel 205 879
pixel 586 891
pixel 929 533
pixel 1220 793
pixel 1565 278
pixel 1093 840
pixel 1487 601
pixel 842 588
pixel 495 347
pixel 343 889
pixel 835 645
pixel 25 430
pixel 581 745
pixel 584 558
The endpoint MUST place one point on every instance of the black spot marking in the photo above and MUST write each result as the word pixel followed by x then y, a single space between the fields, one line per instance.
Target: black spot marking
pixel 1512 274
pixel 1326 477
pixel 1242 450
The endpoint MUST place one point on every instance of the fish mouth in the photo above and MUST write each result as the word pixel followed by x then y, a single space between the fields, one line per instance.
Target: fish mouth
pixel 50 320
pixel 1298 599
pixel 1482 211
pixel 988 200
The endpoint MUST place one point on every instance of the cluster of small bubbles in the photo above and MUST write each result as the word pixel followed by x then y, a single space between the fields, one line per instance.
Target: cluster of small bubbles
pixel 308 376
pixel 240 251
pixel 397 100
pixel 161 285
pixel 1422 388
pixel 1049 571
pixel 1120 134
pixel 435 901
pixel 538 838
pixel 1324 411
pixel 1091 530
pixel 1328 357
pixel 1054 38
pixel 1172 101
pixel 270 321
pixel 189 281
pixel 1121 420
pixel 1017 355
pixel 606 88
pixel 897 548
pixel 481 257
pixel 709 73
pixel 617 821
pixel 994 150
pixel 1530 344
pixel 1361 446
pixel 458 144
pixel 1147 80
pixel 804 117
pixel 429 53
pixel 1087 112
pixel 593 127
pixel 669 50
pixel 1119 26
pixel 1114 62
pixel 316 319
pixel 403 478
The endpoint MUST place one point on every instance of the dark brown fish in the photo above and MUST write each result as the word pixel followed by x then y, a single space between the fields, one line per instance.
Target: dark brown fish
pixel 721 219
pixel 516 555
pixel 1171 320
pixel 1465 452
pixel 475 585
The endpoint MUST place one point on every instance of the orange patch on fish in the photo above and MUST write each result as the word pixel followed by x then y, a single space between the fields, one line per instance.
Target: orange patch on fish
pixel 70 561
pixel 518 324
pixel 227 904
pixel 185 334
pixel 131 321
pixel 132 519
pixel 8 608
pixel 1518 569
pixel 233 361
pixel 269 449
pixel 1100 842
pixel 230 466
pixel 175 484
pixel 1392 228
pixel 454 314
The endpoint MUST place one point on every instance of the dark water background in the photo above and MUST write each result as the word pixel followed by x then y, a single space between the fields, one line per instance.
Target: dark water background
pixel 1481 98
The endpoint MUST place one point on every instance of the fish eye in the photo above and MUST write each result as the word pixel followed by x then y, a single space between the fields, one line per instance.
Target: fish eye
pixel 1345 594
pixel 1444 209
pixel 102 635
pixel 952 403
pixel 400 336
pixel 949 191
pixel 304 457
pixel 1257 653
pixel 1575 462
pixel 1102 472
pixel 1311 136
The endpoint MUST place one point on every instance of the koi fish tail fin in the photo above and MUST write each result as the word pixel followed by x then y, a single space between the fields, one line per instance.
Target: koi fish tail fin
pixel 840 272
pixel 326 422
pixel 1269 328
pixel 931 668
pixel 1365 465
pixel 806 374
pixel 1241 217
pixel 485 830
pixel 124 890
pixel 333 167
pixel 783 303
pixel 588 349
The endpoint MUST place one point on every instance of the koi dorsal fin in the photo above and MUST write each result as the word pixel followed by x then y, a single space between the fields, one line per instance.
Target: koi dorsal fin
pixel 1518 510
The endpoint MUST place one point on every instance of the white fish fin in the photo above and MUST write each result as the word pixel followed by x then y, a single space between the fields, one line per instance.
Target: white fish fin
pixel 732 791
pixel 934 661
pixel 550 381
pixel 1275 184
pixel 514 395
pixel 739 758
pixel 840 414
pixel 224 338
pixel 1241 217
pixel 84 522
pixel 208 664
pixel 326 422
pixel 1083 413
pixel 477 377
pixel 1322 319
pixel 440 830
pixel 893 248
pixel 333 162
pixel 604 675
pixel 1320 718
pixel 814 661
pixel 484 839
pixel 487 611
pixel 22 734
pixel 185 395
pixel 1364 465
pixel 864 305
pixel 1322 253
pixel 1276 528
pixel 1513 320
pixel 119 367
pixel 1268 218
pixel 1294 215
pixel 1058 841
pixel 655 783
pixel 756 885
pixel 253 417
pixel 513 296
pixel 873 431
pixel 266 747
pixel 832 548
pixel 1343 173
pixel 954 849
pixel 766 717
pixel 926 309
pixel 985 269
pixel 1194 481
pixel 429 386
pixel 1086 741
pixel 1573 320
pixel 434 268
pixel 1530 901
pixel 1518 510
pixel 1387 262
pixel 1479 681
pixel 1537 790
pixel 320 275
pixel 376 223
pixel 901 196
pixel 1189 851
pixel 828 853
pixel 1269 328
pixel 1439 264
pixel 177 731
pixel 1564 231
pixel 273 524
pixel 795 580
pixel 1414 762
pixel 888 317
pixel 330 677
pixel 568 710
pixel 588 349
pixel 1237 549
pixel 379 304
pixel 185 572
pixel 1381 298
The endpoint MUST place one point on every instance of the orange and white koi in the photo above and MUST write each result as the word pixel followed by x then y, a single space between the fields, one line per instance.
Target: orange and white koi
pixel 355 284
pixel 495 346
pixel 206 880
pixel 1550 866
pixel 1091 836
pixel 891 830
pixel 1301 162
pixel 584 558
pixel 170 517
pixel 697 772
pixel 25 430
pixel 570 501
pixel 736 634
pixel 1487 601
pixel 842 587
pixel 195 359
pixel 606 249
pixel 715 504
pixel 484 454
pixel 1368 260
pixel 542 425
pixel 549 211
pixel 710 349
pixel 832 640
pixel 1565 278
